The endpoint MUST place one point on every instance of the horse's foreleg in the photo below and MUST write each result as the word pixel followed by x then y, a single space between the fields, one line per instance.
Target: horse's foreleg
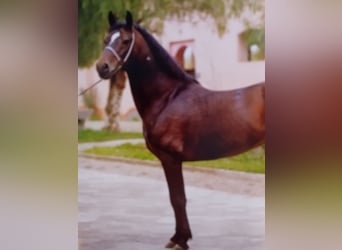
pixel 174 178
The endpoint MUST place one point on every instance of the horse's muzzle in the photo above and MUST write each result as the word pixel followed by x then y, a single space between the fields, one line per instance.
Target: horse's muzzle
pixel 103 70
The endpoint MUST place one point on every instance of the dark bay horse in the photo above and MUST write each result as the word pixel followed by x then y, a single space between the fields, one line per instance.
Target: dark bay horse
pixel 182 121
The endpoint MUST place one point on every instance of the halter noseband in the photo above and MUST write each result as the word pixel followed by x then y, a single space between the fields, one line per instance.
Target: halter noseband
pixel 118 57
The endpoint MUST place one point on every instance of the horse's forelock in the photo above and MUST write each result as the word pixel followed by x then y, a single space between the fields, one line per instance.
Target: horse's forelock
pixel 116 26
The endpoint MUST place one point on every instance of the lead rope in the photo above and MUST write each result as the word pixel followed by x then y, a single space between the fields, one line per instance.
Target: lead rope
pixel 85 90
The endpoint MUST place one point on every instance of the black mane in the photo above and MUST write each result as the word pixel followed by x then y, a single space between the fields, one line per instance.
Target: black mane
pixel 166 62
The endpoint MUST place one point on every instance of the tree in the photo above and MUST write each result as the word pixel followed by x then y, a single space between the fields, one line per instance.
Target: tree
pixel 116 88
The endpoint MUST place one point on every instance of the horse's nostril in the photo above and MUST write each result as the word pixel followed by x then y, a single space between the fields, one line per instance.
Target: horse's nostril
pixel 105 67
pixel 102 67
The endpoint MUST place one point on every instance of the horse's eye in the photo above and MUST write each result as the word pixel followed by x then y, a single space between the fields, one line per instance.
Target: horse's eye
pixel 126 41
pixel 106 40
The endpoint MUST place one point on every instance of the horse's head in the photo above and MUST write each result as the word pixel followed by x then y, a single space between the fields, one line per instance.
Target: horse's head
pixel 119 44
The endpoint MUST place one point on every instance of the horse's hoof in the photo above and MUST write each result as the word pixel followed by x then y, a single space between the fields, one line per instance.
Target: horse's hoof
pixel 170 244
pixel 178 247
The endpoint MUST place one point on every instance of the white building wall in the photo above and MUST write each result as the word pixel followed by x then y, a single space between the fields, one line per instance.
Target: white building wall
pixel 88 76
pixel 216 58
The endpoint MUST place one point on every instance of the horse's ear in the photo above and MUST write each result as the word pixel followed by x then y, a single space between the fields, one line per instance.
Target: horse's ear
pixel 112 19
pixel 129 20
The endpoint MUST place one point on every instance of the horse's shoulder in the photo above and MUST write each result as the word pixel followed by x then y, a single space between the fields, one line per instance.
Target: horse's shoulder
pixel 166 132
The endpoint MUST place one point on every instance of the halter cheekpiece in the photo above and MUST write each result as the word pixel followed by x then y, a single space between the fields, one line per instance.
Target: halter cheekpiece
pixel 118 57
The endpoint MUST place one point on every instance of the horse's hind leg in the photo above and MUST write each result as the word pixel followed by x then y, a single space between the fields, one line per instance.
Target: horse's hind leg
pixel 174 177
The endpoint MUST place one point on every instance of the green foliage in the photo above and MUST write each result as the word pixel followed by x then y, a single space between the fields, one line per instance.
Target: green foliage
pixel 257 37
pixel 254 36
pixel 127 150
pixel 252 161
pixel 88 100
pixel 88 135
pixel 93 24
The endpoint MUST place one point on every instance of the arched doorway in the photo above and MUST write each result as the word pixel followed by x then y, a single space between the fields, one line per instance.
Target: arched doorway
pixel 184 55
pixel 186 59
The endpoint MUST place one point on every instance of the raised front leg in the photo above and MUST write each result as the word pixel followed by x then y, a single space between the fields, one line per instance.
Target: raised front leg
pixel 174 178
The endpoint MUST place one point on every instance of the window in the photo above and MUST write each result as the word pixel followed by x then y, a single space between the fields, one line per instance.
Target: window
pixel 251 45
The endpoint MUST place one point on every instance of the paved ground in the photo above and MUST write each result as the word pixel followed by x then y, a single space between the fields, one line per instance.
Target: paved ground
pixel 126 207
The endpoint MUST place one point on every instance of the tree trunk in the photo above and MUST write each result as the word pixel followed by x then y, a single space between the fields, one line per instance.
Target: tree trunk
pixel 116 88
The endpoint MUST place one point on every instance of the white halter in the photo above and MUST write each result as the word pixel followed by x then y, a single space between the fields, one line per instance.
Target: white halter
pixel 117 56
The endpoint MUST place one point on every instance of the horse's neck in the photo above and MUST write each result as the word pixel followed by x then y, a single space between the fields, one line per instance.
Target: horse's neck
pixel 149 85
